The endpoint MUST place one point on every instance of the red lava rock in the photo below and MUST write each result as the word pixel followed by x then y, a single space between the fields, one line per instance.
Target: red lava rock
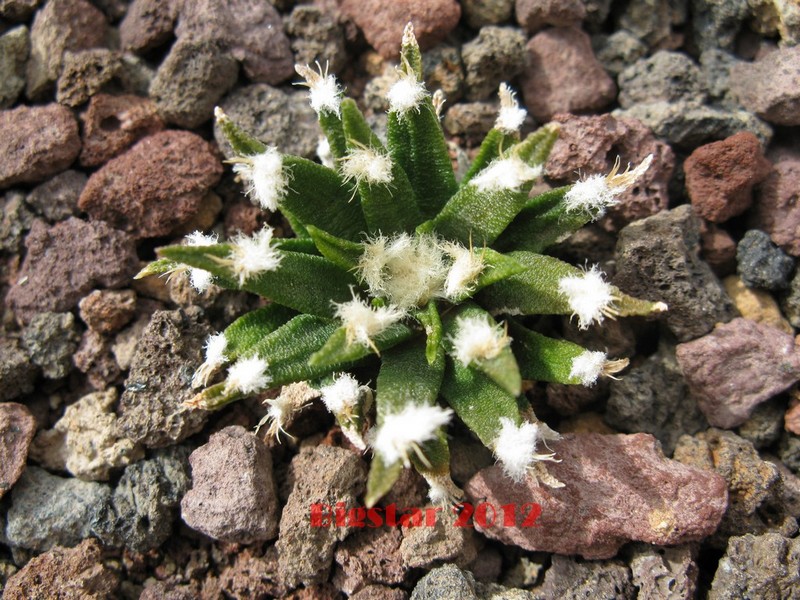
pixel 155 186
pixel 253 31
pixel 719 249
pixel 791 419
pixel 777 209
pixel 147 24
pixel 107 311
pixel 383 22
pixel 17 427
pixel 590 144
pixel 37 142
pixel 112 124
pixel 370 556
pixel 65 573
pixel 94 358
pixel 770 87
pixel 617 488
pixel 534 15
pixel 59 26
pixel 736 367
pixel 720 176
pixel 66 261
pixel 563 75
pixel 233 496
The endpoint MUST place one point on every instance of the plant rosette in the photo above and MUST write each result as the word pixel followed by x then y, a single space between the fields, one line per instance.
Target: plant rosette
pixel 398 274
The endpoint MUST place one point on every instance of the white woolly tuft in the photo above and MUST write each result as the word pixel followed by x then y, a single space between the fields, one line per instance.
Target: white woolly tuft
pixel 364 164
pixel 342 395
pixel 293 398
pixel 463 272
pixel 215 349
pixel 363 322
pixel 248 375
pixel 597 192
pixel 267 180
pixel 200 279
pixel 407 270
pixel 325 93
pixel 442 491
pixel 476 339
pixel 405 95
pixel 589 296
pixel 324 153
pixel 405 431
pixel 505 174
pixel 588 366
pixel 511 116
pixel 515 447
pixel 254 255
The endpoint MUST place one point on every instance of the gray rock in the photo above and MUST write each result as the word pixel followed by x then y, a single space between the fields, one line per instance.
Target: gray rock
pixel 57 198
pixel 447 582
pixel 716 65
pixel 14 49
pixel 790 302
pixel 274 117
pixel 85 73
pixel 191 81
pixel 663 77
pixel 765 566
pixel 535 15
pixel 715 23
pixel 789 452
pixel 233 496
pixel 18 10
pixel 764 426
pixel 15 220
pixel 51 339
pixel 59 26
pixel 144 505
pixel 478 13
pixel 472 120
pixel 688 126
pixel 653 397
pixel 658 259
pixel 618 50
pixel 496 55
pixel 17 372
pixel 426 546
pixel 443 69
pixel 49 511
pixel 761 264
pixel 569 579
pixel 652 20
pixel 315 36
pixel 320 475
pixel 664 573
pixel 167 355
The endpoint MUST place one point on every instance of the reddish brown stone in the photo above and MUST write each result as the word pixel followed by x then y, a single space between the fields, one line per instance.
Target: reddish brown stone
pixel 719 249
pixel 534 15
pixel 94 358
pixel 791 419
pixel 37 142
pixel 736 367
pixel 369 556
pixel 617 488
pixel 155 186
pixel 590 144
pixel 383 22
pixel 777 210
pixel 770 86
pixel 65 573
pixel 720 176
pixel 112 124
pixel 66 261
pixel 17 427
pixel 147 24
pixel 563 75
pixel 107 311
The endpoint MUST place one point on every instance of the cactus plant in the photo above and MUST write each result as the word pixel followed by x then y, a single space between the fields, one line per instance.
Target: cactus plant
pixel 397 274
